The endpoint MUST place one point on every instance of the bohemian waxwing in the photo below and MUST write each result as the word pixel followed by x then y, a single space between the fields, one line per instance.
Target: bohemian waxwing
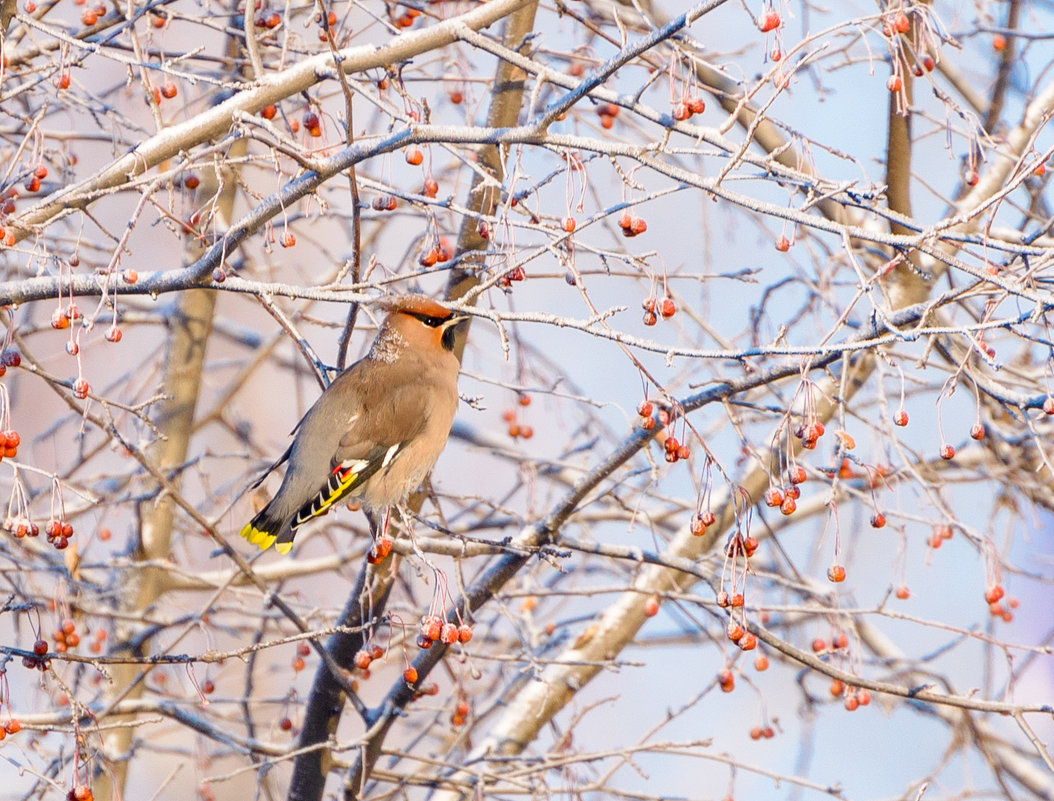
pixel 375 433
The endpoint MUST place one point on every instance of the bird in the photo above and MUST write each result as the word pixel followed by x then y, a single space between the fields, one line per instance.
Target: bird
pixel 376 431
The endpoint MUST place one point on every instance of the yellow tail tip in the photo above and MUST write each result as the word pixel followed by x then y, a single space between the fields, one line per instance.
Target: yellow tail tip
pixel 262 539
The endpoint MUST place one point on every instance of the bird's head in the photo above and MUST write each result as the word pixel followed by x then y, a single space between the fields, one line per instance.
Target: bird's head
pixel 423 323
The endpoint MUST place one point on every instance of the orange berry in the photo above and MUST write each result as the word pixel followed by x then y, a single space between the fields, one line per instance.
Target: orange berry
pixel 414 156
pixel 998 42
pixel 836 573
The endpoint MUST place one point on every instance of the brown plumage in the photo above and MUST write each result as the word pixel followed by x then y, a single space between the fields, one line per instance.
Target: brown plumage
pixel 375 433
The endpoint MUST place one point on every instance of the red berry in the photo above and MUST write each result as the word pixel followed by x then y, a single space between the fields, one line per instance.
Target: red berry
pixel 169 90
pixel 998 42
pixel 645 408
pixel 947 452
pixel 414 156
pixel 464 633
pixel 651 606
pixel 878 520
pixel 797 474
pixel 900 418
pixel 977 431
pixel 81 388
pixel 113 334
pixel 994 594
pixel 748 643
pixel 836 573
pixel 1048 402
pixel 773 497
pixel 362 660
pixel 667 308
pixel 568 224
pixel 783 244
pixel 288 240
pixel 769 21
pixel 410 675
pixel 192 181
pixel 788 507
pixel 208 687
pixel 894 83
pixel 903 593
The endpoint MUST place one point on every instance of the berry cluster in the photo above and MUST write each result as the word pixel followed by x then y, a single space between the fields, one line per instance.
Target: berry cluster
pixel 515 274
pixel 607 113
pixel 738 545
pixel 675 450
pixel 59 533
pixel 384 203
pixel 61 318
pixel 631 224
pixel 993 596
pixel 786 499
pixel 365 656
pixel 40 650
pixel 855 697
pixel 457 719
pixel 740 636
pixel 13 726
pixel 760 732
pixel 666 308
pixel 9 442
pixel 32 183
pixel 22 527
pixel 510 416
pixel 434 629
pixel 441 251
pixel 700 522
pixel 684 109
pixel 66 636
pixel 810 434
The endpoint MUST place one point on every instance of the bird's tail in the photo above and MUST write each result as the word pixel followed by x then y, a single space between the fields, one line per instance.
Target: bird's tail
pixel 270 527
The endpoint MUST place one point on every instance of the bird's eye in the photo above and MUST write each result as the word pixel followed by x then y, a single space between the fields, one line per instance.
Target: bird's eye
pixel 432 322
